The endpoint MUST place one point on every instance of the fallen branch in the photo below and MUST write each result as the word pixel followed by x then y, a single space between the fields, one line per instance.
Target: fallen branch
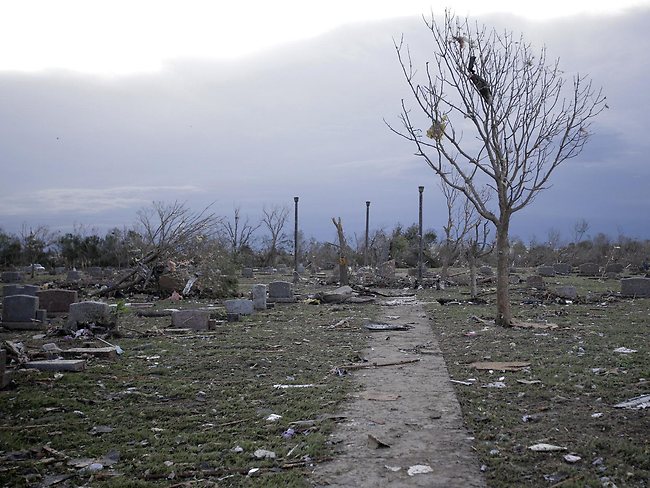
pixel 378 365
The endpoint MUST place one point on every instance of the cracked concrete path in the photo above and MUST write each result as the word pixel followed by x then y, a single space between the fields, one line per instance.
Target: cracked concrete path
pixel 423 426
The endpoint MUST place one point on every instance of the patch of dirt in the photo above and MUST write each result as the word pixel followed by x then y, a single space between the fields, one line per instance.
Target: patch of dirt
pixel 422 426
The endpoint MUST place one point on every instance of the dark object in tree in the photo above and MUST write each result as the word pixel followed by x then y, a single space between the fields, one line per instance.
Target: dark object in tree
pixel 480 84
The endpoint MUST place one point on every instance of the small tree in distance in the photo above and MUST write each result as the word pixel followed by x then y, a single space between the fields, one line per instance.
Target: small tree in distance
pixel 498 116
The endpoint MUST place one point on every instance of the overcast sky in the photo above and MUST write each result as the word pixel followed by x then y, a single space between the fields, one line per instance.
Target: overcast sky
pixel 107 106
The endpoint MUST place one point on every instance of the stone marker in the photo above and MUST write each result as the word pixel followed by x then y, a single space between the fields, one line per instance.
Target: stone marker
pixel 247 273
pixel 340 295
pixel 535 281
pixel 514 279
pixel 567 292
pixel 73 276
pixel 239 306
pixel 95 272
pixel 548 271
pixel 259 297
pixel 19 308
pixel 562 268
pixel 191 319
pixel 588 269
pixel 86 312
pixel 58 365
pixel 635 287
pixel 12 277
pixel 614 268
pixel 57 301
pixel 486 271
pixel 281 291
pixel 16 289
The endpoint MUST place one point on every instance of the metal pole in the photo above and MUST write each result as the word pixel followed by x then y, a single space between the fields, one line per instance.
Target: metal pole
pixel 365 248
pixel 421 190
pixel 295 238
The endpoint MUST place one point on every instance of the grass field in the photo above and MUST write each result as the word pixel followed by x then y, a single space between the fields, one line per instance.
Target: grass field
pixel 191 410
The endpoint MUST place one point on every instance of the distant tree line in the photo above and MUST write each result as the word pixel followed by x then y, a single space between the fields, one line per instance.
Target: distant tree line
pixel 267 243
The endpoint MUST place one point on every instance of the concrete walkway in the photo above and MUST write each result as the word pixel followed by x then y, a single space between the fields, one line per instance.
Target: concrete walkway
pixel 422 426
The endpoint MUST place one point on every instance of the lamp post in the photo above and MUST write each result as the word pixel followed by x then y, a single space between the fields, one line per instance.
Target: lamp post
pixel 365 248
pixel 295 241
pixel 421 190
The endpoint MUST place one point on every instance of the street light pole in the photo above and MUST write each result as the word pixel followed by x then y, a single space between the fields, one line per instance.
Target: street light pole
pixel 295 241
pixel 421 190
pixel 365 248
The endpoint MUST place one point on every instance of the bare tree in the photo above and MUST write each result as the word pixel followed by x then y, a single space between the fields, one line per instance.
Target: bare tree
pixel 343 252
pixel 274 219
pixel 460 220
pixel 35 241
pixel 502 117
pixel 580 228
pixel 237 232
pixel 167 230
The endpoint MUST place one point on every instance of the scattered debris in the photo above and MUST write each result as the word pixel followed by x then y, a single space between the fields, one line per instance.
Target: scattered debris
pixel 570 458
pixel 636 403
pixel 496 384
pixel 534 325
pixel 393 469
pixel 385 327
pixel 273 417
pixel 264 454
pixel 419 469
pixel 374 443
pixel 500 365
pixel 374 365
pixel 546 448
pixel 466 383
pixel 100 429
pixel 529 382
pixel 624 350
pixel 284 387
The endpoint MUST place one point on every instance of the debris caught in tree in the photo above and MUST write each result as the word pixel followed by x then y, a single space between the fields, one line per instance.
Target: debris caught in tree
pixel 437 129
pixel 479 82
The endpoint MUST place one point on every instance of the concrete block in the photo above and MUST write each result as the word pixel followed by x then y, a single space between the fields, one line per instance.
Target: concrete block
pixel 546 271
pixel 74 276
pixel 12 277
pixel 57 301
pixel 239 306
pixel 74 365
pixel 638 287
pixel 97 352
pixel 535 281
pixel 589 269
pixel 259 297
pixel 18 289
pixel 280 289
pixel 87 312
pixel 19 308
pixel 562 268
pixel 247 273
pixel 192 319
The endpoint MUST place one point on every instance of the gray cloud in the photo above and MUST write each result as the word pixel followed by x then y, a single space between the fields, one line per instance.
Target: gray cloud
pixel 306 119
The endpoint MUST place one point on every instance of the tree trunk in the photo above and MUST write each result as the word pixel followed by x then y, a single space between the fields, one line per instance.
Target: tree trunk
pixel 504 315
pixel 473 289
pixel 343 261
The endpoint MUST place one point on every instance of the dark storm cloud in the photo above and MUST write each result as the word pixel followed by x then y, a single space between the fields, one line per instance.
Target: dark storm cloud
pixel 306 119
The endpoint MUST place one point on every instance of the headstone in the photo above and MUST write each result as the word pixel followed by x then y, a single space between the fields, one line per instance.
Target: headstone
pixel 548 271
pixel 95 271
pixel 73 276
pixel 301 268
pixel 74 365
pixel 87 312
pixel 568 292
pixel 280 290
pixel 12 277
pixel 486 271
pixel 191 319
pixel 514 279
pixel 247 272
pixel 259 297
pixel 239 306
pixel 588 269
pixel 41 315
pixel 19 308
pixel 635 287
pixel 562 268
pixel 535 281
pixel 57 301
pixel 614 268
pixel 16 289
pixel 387 269
pixel 59 270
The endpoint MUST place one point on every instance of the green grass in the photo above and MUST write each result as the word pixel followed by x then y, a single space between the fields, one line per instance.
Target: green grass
pixel 580 375
pixel 203 396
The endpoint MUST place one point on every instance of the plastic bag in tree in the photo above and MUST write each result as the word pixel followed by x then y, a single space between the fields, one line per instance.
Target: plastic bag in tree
pixel 437 129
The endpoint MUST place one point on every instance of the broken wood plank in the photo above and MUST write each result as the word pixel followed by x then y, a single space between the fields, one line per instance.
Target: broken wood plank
pixel 74 365
pixel 378 365
pixel 500 365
